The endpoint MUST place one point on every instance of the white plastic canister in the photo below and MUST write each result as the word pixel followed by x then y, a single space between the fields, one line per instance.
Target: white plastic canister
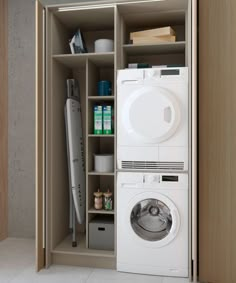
pixel 104 162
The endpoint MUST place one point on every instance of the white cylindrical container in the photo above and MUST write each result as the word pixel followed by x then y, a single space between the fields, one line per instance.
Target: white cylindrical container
pixel 103 45
pixel 104 163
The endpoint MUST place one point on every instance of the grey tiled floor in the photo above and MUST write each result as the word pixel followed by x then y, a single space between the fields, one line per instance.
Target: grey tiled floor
pixel 17 266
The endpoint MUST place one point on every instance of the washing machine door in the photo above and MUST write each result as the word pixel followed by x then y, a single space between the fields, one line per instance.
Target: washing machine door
pixel 151 114
pixel 153 219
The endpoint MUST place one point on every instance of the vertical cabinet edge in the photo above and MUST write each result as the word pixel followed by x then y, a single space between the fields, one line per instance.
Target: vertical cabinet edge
pixel 40 252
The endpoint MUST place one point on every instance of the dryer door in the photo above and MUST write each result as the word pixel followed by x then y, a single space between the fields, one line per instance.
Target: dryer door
pixel 153 219
pixel 151 114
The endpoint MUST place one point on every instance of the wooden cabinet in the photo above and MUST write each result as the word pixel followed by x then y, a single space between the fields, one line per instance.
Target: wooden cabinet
pixel 3 120
pixel 55 26
pixel 217 140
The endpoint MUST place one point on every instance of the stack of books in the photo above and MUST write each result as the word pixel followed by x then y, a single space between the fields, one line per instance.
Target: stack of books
pixel 153 36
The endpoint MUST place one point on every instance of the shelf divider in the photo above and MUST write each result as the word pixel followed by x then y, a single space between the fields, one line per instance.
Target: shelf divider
pixel 100 136
pixel 79 60
pixel 94 173
pixel 92 210
pixel 96 97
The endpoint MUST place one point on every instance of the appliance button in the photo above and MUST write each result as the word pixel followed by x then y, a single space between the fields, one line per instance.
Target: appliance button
pixel 150 179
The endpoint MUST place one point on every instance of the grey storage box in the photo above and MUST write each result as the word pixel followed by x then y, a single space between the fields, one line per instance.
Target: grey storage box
pixel 101 233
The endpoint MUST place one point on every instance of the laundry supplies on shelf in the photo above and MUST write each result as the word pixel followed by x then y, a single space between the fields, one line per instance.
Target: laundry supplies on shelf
pixel 98 200
pixel 97 119
pixel 103 119
pixel 107 111
pixel 103 200
pixel 104 88
pixel 107 200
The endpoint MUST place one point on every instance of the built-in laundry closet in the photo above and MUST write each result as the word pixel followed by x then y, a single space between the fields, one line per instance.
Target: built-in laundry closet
pixel 55 25
pixel 216 122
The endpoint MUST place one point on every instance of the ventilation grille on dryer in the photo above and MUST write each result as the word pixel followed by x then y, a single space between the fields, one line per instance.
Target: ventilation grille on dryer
pixel 152 165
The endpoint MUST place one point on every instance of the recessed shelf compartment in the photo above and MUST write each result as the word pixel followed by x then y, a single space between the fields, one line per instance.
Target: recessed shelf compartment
pixel 92 23
pixel 92 19
pixel 96 73
pixel 65 247
pixel 99 145
pixel 91 104
pixel 103 183
pixel 152 16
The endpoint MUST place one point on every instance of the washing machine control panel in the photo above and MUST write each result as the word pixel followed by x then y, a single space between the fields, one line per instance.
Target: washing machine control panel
pixel 154 178
pixel 150 179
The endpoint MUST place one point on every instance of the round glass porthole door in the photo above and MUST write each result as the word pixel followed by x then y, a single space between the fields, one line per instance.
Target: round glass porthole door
pixel 151 220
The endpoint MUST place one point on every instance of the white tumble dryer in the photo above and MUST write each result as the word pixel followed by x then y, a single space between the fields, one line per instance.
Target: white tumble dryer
pixel 152 223
pixel 152 119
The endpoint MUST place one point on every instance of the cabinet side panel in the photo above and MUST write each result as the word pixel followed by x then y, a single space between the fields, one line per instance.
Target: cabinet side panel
pixel 39 138
pixel 233 139
pixel 3 120
pixel 216 119
pixel 59 185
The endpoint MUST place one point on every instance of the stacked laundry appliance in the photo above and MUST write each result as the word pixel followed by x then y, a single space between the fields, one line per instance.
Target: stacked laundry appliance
pixel 153 163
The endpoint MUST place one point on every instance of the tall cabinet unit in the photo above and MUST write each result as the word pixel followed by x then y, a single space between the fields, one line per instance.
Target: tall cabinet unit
pixel 217 140
pixel 96 20
pixel 3 121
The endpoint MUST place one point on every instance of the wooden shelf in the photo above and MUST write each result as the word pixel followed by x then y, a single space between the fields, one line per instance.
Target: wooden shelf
pixel 101 136
pixel 108 97
pixel 79 60
pixel 65 247
pixel 101 211
pixel 93 173
pixel 152 49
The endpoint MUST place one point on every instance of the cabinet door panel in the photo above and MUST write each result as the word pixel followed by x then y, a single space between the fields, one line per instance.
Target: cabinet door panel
pixel 217 141
pixel 3 120
pixel 40 151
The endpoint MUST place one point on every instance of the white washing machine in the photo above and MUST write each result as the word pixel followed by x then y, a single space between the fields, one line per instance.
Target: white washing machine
pixel 152 223
pixel 152 119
